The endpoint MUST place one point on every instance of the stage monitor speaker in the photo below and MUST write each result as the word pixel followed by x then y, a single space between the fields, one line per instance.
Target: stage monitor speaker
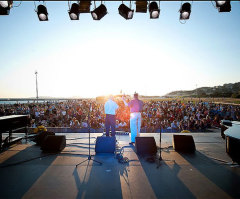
pixel 105 144
pixel 54 143
pixel 184 143
pixel 145 146
pixel 40 137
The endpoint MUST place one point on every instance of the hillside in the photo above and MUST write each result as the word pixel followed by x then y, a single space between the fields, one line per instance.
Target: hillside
pixel 226 90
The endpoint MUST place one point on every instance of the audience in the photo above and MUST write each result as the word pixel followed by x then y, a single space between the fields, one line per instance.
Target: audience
pixel 171 116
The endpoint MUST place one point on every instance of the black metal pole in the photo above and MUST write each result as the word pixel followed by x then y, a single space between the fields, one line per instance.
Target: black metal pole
pixel 36 73
pixel 89 155
pixel 0 141
pixel 160 143
pixel 160 149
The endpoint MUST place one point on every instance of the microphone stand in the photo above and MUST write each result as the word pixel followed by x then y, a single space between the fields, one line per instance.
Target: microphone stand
pixel 160 149
pixel 89 155
pixel 160 144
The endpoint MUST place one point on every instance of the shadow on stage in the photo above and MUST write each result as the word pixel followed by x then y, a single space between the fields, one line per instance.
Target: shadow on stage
pixel 99 181
pixel 16 175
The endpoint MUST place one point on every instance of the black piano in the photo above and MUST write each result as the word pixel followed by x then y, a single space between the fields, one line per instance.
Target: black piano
pixel 11 123
pixel 225 124
pixel 232 136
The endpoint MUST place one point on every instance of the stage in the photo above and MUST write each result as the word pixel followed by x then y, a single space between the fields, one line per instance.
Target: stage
pixel 202 175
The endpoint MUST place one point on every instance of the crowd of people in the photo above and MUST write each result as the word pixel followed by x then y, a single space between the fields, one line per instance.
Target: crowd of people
pixel 165 115
pixel 178 116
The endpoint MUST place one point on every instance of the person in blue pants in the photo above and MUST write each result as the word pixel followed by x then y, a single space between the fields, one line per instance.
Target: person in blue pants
pixel 110 108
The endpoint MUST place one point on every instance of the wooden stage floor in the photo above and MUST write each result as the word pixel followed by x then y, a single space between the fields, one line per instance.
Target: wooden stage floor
pixel 204 174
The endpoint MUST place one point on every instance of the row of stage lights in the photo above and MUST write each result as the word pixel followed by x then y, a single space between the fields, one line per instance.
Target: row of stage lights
pixel 126 12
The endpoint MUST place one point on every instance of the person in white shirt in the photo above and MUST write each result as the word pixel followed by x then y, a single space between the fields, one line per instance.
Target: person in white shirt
pixel 110 108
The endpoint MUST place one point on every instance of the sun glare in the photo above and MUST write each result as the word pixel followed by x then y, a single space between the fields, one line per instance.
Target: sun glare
pixel 114 68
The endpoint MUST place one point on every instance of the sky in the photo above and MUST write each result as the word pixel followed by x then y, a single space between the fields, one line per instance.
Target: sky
pixel 88 58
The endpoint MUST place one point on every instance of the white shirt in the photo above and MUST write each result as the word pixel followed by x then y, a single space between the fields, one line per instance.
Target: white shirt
pixel 110 107
pixel 63 112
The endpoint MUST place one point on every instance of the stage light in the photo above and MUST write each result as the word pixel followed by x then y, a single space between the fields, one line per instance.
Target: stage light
pixel 141 6
pixel 154 10
pixel 4 4
pixel 125 11
pixel 220 3
pixel 84 6
pixel 99 12
pixel 5 7
pixel 185 11
pixel 223 6
pixel 42 13
pixel 74 12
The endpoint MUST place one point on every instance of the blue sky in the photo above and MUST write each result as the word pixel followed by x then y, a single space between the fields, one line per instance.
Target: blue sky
pixel 87 58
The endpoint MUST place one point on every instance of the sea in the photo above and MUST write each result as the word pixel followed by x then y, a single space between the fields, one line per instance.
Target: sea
pixel 29 101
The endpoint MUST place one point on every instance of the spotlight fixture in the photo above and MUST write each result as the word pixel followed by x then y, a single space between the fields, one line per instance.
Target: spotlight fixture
pixel 185 11
pixel 42 13
pixel 154 10
pixel 5 7
pixel 74 12
pixel 84 6
pixel 223 6
pixel 125 11
pixel 141 6
pixel 220 3
pixel 99 12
